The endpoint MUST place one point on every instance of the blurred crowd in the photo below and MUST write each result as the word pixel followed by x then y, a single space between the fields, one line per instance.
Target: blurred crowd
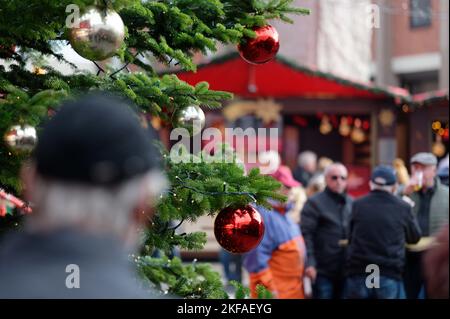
pixel 391 243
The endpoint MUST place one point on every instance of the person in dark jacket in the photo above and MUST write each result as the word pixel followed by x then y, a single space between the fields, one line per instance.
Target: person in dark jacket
pixel 92 181
pixel 381 225
pixel 324 225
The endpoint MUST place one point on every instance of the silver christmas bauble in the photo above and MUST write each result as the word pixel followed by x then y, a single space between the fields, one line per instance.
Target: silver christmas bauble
pixel 21 138
pixel 191 118
pixel 98 35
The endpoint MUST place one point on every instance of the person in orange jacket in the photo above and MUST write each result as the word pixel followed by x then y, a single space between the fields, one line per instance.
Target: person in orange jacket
pixel 278 261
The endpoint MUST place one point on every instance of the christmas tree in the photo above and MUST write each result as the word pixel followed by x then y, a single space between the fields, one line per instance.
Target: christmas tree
pixel 169 31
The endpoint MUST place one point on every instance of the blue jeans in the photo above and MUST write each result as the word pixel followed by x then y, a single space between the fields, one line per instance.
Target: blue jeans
pixel 355 288
pixel 232 265
pixel 328 288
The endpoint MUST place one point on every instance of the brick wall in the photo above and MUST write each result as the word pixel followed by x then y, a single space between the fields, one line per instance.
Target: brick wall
pixel 410 41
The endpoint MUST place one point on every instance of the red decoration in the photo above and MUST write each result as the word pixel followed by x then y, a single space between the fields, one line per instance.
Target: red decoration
pixel 15 201
pixel 2 210
pixel 366 125
pixel 445 135
pixel 301 121
pixel 239 230
pixel 261 49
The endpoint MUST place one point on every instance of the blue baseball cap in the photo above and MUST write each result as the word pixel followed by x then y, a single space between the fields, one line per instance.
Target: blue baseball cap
pixel 384 176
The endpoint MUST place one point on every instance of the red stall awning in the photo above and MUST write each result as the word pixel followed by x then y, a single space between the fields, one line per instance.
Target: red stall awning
pixel 281 78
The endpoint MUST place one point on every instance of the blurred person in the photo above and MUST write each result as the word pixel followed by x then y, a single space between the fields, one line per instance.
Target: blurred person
pixel 431 207
pixel 324 225
pixel 402 172
pixel 444 162
pixel 278 261
pixel 323 163
pixel 306 167
pixel 317 182
pixel 381 225
pixel 316 185
pixel 296 199
pixel 442 171
pixel 435 264
pixel 93 180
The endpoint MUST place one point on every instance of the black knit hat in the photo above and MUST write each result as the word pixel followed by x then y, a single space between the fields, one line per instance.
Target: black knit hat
pixel 95 140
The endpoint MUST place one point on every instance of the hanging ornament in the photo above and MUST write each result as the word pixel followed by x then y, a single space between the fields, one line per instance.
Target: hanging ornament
pixel 21 138
pixel 358 136
pixel 344 127
pixel 386 117
pixel 239 230
pixel 438 147
pixel 325 125
pixel 191 118
pixel 436 126
pixel 99 34
pixel 261 49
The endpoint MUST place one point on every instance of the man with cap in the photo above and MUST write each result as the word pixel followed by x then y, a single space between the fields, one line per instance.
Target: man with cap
pixel 381 225
pixel 278 261
pixel 431 206
pixel 92 182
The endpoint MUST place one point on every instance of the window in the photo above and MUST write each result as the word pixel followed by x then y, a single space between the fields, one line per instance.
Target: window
pixel 420 13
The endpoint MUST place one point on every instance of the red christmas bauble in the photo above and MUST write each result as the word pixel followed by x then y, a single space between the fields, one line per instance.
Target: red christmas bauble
pixel 239 230
pixel 261 49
